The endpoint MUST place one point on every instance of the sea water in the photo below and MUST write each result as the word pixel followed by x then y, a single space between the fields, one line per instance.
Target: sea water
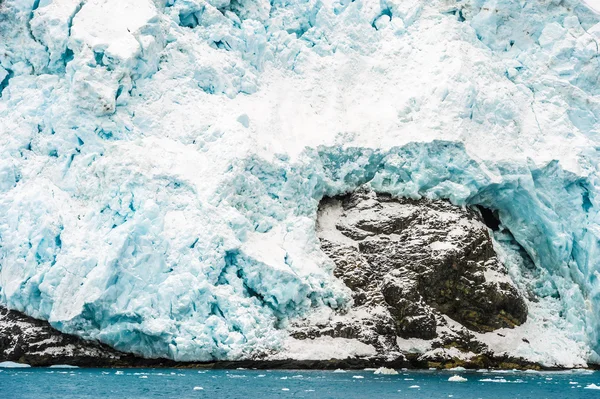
pixel 174 383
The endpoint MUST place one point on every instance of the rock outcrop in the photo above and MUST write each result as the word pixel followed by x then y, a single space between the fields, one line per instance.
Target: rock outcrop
pixel 418 269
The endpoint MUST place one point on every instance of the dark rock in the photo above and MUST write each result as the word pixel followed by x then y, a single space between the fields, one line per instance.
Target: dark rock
pixel 415 265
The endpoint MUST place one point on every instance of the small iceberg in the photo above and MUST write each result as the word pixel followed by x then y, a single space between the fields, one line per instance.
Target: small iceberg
pixel 386 371
pixel 198 388
pixel 414 386
pixel 13 365
pixel 63 366
pixel 592 386
pixel 339 371
pixel 357 376
pixel 457 378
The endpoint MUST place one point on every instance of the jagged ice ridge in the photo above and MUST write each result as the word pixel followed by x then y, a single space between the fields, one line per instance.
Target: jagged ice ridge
pixel 161 162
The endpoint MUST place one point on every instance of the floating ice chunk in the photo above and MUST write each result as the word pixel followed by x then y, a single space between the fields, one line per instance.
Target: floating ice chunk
pixel 339 371
pixel 63 366
pixel 13 365
pixel 358 377
pixel 457 378
pixel 414 386
pixel 198 388
pixel 501 380
pixel 285 389
pixel 457 369
pixel 386 371
pixel 592 386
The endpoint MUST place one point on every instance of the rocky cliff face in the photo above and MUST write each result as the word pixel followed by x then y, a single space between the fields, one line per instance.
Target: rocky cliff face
pixel 418 269
pixel 27 340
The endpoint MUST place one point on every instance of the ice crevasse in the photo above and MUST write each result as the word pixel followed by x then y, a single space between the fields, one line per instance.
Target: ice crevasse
pixel 161 162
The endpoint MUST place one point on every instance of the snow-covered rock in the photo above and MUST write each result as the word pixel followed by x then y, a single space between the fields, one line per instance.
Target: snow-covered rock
pixel 410 265
pixel 162 162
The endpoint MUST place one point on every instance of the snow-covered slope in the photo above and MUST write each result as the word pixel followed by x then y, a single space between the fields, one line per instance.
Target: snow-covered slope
pixel 161 162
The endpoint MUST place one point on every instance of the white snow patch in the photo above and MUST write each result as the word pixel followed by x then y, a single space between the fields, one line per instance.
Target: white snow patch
pixel 324 348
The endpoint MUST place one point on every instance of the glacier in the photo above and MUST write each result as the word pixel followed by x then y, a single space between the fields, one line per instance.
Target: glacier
pixel 161 162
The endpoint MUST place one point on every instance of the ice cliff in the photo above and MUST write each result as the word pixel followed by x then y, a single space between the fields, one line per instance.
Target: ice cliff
pixel 162 162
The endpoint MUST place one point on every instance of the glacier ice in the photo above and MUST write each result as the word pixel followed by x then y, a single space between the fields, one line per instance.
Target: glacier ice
pixel 161 162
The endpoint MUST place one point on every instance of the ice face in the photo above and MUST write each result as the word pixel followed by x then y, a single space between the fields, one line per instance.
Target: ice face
pixel 161 162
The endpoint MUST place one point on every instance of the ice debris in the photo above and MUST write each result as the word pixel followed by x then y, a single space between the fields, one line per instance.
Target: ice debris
pixel 385 371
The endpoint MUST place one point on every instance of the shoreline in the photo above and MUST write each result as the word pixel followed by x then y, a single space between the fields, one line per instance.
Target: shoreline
pixel 129 361
pixel 46 346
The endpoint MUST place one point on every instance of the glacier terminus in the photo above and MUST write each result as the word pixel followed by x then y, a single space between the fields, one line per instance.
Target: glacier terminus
pixel 165 166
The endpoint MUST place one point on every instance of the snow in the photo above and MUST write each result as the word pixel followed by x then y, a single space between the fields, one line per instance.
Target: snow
pixel 13 365
pixel 593 4
pixel 323 348
pixel 457 378
pixel 413 345
pixel 161 163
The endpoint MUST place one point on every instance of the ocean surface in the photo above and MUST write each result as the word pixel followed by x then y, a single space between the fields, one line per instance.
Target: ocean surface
pixel 168 383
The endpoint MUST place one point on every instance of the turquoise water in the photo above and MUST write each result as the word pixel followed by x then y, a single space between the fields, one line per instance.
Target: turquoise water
pixel 246 384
